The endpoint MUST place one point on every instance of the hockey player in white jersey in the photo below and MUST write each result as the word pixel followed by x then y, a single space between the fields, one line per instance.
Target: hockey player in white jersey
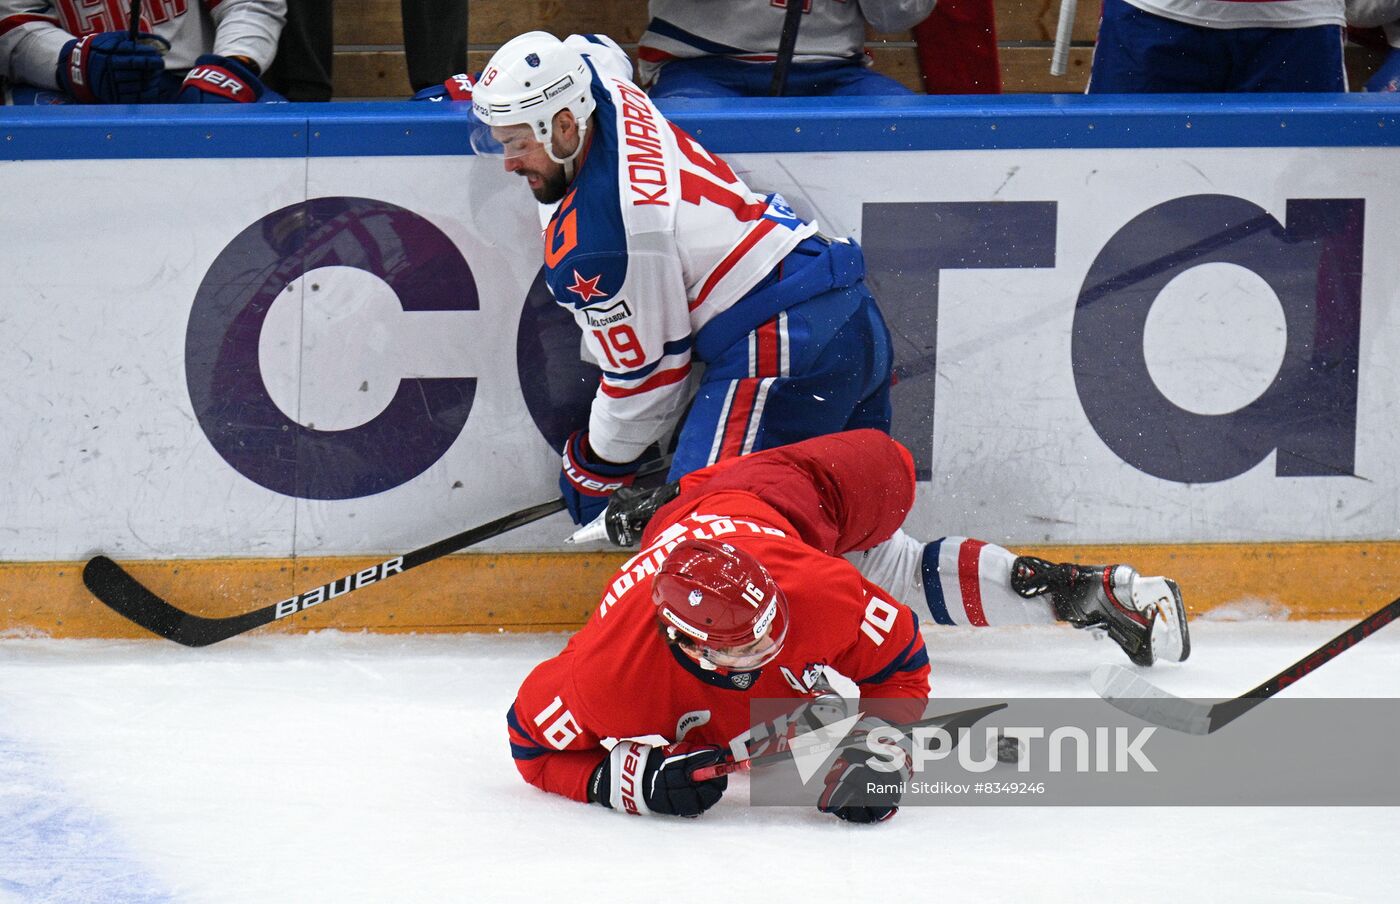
pixel 727 48
pixel 185 51
pixel 667 260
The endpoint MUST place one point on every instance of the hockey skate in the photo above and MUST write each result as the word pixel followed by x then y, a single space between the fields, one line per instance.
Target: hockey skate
pixel 1144 616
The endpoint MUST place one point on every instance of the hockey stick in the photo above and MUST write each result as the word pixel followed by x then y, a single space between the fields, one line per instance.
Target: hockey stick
pixel 133 21
pixel 951 721
pixel 121 592
pixel 787 46
pixel 1064 32
pixel 1139 697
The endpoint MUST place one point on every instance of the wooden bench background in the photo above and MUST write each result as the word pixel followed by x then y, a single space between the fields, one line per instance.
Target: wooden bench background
pixel 369 59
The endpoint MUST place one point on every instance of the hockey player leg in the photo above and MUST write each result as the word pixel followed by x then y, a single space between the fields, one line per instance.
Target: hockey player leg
pixel 961 581
pixel 956 580
pixel 1144 615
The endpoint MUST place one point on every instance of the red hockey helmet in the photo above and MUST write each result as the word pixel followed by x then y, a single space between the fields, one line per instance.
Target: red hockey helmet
pixel 721 605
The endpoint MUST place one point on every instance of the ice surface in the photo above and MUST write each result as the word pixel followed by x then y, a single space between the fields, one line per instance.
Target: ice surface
pixel 371 768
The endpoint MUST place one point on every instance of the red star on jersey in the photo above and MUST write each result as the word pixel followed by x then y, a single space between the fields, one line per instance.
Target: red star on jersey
pixel 587 289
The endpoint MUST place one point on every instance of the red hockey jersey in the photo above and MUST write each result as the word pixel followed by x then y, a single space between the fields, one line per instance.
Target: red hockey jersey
pixel 796 509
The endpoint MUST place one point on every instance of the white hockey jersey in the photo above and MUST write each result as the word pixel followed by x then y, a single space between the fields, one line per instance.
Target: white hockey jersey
pixel 33 32
pixel 750 30
pixel 1248 13
pixel 655 239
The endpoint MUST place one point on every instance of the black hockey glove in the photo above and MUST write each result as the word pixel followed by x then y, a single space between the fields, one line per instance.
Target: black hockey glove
pixel 631 508
pixel 863 786
pixel 641 779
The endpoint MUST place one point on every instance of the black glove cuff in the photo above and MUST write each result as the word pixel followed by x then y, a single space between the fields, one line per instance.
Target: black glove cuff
pixel 599 782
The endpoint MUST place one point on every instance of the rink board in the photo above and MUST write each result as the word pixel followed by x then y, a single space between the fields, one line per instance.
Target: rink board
pixel 558 591
pixel 256 345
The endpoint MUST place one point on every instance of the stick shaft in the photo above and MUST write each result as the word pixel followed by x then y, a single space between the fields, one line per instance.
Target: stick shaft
pixel 1224 713
pixel 1064 33
pixel 1137 696
pixel 118 590
pixel 787 46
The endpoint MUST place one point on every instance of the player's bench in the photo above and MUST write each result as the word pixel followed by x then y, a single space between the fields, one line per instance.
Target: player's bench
pixel 369 58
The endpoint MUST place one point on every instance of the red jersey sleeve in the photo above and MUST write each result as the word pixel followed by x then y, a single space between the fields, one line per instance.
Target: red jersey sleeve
pixel 843 492
pixel 551 743
pixel 887 657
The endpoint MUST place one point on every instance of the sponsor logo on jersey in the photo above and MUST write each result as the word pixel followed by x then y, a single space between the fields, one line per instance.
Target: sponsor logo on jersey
pixel 601 317
pixel 692 719
pixel 741 680
pixel 778 205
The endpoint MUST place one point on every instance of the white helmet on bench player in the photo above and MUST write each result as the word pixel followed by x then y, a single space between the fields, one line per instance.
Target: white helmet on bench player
pixel 528 81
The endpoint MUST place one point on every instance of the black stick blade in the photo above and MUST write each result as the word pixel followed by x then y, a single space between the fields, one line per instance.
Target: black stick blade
pixel 128 597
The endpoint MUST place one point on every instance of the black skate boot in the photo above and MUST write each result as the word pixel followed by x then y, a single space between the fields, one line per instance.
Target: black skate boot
pixel 1144 616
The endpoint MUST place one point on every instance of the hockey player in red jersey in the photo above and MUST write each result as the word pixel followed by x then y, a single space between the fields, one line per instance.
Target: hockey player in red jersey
pixel 739 592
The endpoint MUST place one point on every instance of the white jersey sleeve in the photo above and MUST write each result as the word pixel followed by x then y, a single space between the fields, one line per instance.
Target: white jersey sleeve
pixel 248 28
pixel 647 373
pixel 31 38
pixel 1371 13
